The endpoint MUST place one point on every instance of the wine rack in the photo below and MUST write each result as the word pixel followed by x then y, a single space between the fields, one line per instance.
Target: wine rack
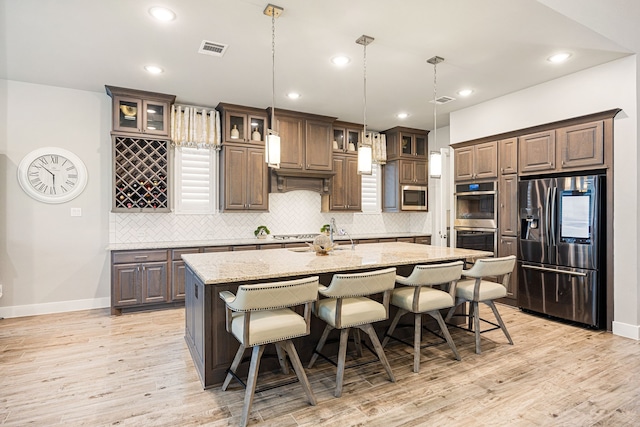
pixel 141 170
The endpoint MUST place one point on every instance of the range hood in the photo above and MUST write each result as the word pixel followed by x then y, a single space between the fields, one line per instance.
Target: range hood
pixel 284 180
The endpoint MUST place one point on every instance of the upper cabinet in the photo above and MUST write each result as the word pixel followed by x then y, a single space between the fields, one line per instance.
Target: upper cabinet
pixel 306 141
pixel 537 152
pixel 478 161
pixel 138 112
pixel 508 156
pixel 242 124
pixel 406 143
pixel 575 147
pixel 346 137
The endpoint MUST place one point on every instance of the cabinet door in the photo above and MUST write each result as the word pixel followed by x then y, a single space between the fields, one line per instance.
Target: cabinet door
pixel 125 285
pixel 154 282
pixel 178 270
pixel 127 114
pixel 235 177
pixel 421 173
pixel 155 116
pixel 257 191
pixel 420 146
pixel 508 214
pixel 463 163
pixel 581 145
pixel 391 190
pixel 423 240
pixel 485 160
pixel 291 137
pixel 407 172
pixel 318 151
pixel 508 155
pixel 338 195
pixel 354 185
pixel 509 246
pixel 537 152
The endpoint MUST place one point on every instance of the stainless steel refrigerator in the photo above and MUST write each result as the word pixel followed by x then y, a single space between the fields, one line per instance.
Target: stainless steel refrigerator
pixel 560 247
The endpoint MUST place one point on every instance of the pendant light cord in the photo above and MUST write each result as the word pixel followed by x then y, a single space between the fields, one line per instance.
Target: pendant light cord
pixel 365 94
pixel 273 69
pixel 435 103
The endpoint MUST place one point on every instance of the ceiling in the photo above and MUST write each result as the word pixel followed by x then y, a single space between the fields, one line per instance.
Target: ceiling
pixel 494 47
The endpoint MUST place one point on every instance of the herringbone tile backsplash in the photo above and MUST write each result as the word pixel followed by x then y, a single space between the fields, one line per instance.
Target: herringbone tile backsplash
pixel 295 212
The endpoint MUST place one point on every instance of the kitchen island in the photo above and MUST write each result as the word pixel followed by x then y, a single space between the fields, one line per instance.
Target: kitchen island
pixel 207 274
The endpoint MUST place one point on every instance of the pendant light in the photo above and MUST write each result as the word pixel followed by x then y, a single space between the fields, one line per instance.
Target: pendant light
pixel 435 158
pixel 272 144
pixel 365 153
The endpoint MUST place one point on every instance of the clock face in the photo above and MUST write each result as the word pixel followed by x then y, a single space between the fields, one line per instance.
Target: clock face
pixel 52 175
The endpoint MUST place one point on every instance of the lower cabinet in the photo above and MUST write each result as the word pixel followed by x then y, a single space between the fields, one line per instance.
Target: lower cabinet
pixel 139 278
pixel 508 245
pixel 178 272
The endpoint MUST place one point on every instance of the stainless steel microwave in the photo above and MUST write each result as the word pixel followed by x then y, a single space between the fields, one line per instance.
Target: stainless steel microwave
pixel 414 198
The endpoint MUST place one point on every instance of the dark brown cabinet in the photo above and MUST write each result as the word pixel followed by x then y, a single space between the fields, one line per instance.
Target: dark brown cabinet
pixel 243 179
pixel 242 124
pixel 479 161
pixel 508 155
pixel 581 146
pixel 508 205
pixel 509 246
pixel 140 156
pixel 138 112
pixel 177 272
pixel 346 137
pixel 306 141
pixel 139 278
pixel 413 172
pixel 406 143
pixel 346 186
pixel 537 152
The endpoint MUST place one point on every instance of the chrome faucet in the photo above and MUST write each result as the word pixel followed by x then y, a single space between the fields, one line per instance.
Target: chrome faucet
pixel 342 232
pixel 332 227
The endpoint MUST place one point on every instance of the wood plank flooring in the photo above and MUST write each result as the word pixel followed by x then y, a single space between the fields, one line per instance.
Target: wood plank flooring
pixel 93 369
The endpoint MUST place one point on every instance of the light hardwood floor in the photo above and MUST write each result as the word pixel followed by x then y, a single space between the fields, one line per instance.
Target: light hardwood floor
pixel 92 369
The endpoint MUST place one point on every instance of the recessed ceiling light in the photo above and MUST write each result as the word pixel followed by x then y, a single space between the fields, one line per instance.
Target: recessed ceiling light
pixel 402 115
pixel 559 57
pixel 465 92
pixel 340 60
pixel 162 13
pixel 293 95
pixel 153 69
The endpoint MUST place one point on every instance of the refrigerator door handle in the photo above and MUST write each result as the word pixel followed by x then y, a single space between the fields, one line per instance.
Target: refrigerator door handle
pixel 546 215
pixel 553 270
pixel 552 220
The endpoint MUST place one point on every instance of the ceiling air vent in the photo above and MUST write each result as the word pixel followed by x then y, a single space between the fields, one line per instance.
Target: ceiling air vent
pixel 442 100
pixel 212 48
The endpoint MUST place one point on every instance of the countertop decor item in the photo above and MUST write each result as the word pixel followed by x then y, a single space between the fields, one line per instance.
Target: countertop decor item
pixel 325 229
pixel 52 175
pixel 321 245
pixel 261 232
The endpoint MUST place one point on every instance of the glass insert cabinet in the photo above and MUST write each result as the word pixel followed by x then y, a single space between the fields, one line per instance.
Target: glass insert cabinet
pixel 140 156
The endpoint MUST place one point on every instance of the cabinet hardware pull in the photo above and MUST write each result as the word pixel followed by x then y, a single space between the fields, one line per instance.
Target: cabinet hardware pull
pixel 553 270
pixel 141 256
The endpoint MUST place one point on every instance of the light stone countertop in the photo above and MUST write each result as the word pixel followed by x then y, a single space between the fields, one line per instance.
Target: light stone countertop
pixel 226 267
pixel 247 241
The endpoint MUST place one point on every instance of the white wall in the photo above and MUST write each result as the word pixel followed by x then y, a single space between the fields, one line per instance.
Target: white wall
pixel 49 259
pixel 601 88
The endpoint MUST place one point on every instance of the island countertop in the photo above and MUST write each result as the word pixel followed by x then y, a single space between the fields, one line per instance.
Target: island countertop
pixel 229 267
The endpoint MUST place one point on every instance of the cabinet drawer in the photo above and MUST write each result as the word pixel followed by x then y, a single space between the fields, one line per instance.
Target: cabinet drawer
pixel 271 246
pixel 176 254
pixel 138 256
pixel 217 249
pixel 405 239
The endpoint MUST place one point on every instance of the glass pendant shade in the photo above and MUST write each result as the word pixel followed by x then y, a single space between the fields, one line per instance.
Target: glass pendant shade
pixel 435 164
pixel 364 160
pixel 272 150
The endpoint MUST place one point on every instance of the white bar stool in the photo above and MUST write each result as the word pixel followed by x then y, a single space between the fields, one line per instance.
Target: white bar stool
pixel 418 297
pixel 260 314
pixel 476 290
pixel 346 306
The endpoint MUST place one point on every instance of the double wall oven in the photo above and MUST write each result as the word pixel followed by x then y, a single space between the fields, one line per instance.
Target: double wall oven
pixel 476 220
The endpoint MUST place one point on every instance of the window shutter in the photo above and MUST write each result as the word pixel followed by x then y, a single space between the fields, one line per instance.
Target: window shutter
pixel 194 180
pixel 371 190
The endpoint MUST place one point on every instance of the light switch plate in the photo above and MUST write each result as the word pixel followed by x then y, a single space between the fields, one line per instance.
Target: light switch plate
pixel 76 211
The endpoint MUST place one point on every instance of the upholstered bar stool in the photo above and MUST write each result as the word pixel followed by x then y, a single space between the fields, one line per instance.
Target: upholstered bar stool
pixel 417 296
pixel 347 307
pixel 476 290
pixel 259 315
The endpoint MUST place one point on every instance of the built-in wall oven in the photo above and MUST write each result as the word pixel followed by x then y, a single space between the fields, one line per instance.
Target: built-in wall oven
pixel 476 216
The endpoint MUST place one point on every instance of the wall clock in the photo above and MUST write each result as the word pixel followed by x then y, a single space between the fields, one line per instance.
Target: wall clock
pixel 52 175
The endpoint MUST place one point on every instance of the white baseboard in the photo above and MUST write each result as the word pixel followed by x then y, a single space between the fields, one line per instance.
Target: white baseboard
pixel 54 307
pixel 626 330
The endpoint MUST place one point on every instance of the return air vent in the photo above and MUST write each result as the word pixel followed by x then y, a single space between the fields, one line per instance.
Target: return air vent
pixel 442 100
pixel 212 48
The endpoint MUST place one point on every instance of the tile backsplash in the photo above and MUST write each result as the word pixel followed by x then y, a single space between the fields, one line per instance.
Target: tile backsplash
pixel 295 212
